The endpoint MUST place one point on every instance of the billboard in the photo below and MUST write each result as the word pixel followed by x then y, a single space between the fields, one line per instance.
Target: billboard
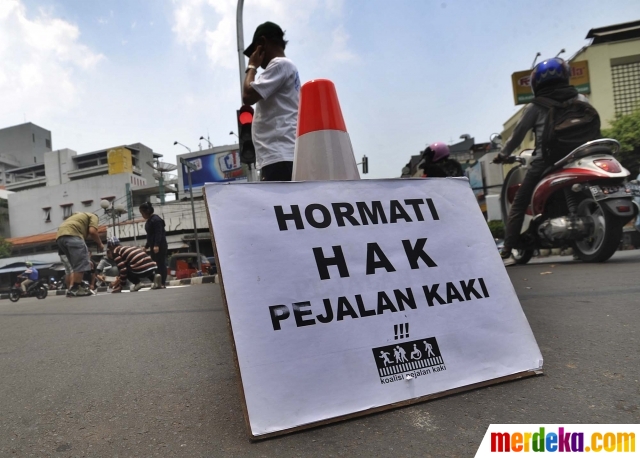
pixel 214 168
pixel 522 85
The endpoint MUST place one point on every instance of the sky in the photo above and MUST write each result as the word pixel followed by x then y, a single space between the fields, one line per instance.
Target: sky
pixel 407 73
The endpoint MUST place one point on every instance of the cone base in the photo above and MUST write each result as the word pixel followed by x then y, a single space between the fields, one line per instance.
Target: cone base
pixel 324 155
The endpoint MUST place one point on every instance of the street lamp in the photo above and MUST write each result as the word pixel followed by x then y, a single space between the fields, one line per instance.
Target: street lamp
pixel 233 133
pixel 178 143
pixel 210 144
pixel 189 166
pixel 112 211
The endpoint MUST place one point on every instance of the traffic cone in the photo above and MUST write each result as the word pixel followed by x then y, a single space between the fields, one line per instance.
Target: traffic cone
pixel 323 149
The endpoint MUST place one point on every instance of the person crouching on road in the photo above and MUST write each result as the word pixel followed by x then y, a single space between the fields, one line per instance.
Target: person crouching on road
pixel 134 265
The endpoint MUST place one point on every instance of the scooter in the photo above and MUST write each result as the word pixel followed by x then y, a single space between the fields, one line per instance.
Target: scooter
pixel 582 201
pixel 37 289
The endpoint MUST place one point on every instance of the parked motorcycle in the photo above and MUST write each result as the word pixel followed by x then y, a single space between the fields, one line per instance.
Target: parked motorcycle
pixel 37 289
pixel 582 201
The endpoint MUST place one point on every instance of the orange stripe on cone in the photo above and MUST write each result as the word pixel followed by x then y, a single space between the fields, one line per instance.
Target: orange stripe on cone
pixel 323 149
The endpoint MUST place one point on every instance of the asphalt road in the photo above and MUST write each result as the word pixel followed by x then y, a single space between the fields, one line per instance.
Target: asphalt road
pixel 152 374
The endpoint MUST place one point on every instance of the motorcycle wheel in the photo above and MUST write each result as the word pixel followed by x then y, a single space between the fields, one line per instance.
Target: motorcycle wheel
pixel 521 256
pixel 605 238
pixel 14 295
pixel 42 292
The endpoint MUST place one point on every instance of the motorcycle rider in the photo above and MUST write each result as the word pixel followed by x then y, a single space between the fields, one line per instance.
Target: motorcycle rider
pixel 437 163
pixel 549 79
pixel 30 275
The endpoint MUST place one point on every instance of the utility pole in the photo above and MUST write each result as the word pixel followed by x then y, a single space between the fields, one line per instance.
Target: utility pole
pixel 240 34
pixel 251 176
pixel 190 167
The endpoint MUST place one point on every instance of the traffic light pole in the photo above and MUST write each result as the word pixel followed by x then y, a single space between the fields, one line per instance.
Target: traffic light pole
pixel 189 167
pixel 365 164
pixel 240 35
pixel 252 175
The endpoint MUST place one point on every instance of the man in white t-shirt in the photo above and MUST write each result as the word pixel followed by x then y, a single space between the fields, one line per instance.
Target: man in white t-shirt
pixel 276 92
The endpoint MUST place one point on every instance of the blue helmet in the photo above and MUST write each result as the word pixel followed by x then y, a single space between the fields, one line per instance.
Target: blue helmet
pixel 548 71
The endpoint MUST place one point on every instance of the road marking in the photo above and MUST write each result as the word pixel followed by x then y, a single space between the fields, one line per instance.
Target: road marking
pixel 143 290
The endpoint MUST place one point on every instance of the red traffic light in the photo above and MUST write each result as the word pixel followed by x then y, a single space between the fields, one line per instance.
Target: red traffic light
pixel 245 115
pixel 245 118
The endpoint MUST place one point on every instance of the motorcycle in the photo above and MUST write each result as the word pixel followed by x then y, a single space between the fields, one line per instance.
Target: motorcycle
pixel 37 289
pixel 582 201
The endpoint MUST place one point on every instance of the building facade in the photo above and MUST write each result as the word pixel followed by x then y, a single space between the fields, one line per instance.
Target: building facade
pixel 66 183
pixel 5 229
pixel 20 146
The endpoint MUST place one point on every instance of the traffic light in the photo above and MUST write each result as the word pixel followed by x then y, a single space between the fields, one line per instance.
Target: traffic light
pixel 365 164
pixel 247 150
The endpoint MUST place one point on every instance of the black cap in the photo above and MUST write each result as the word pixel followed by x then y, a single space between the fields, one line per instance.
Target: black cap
pixel 268 29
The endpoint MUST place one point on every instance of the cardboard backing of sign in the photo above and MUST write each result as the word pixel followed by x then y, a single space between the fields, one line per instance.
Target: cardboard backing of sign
pixel 351 297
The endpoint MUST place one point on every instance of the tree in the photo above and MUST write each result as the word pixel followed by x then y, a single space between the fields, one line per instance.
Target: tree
pixel 626 129
pixel 5 248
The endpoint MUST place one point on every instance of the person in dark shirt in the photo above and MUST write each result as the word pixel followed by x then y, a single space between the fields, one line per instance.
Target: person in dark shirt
pixel 156 239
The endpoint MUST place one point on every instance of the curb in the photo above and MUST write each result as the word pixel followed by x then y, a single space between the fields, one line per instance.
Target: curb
pixel 102 289
pixel 194 280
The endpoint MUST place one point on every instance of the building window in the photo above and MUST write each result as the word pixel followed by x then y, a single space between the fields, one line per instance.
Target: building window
pixel 67 210
pixel 87 203
pixel 626 87
pixel 47 142
pixel 47 214
pixel 33 136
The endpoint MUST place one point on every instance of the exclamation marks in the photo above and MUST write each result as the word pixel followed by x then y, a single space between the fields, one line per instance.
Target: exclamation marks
pixel 404 331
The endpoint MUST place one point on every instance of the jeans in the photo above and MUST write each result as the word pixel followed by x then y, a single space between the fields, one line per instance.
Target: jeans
pixel 521 202
pixel 160 259
pixel 136 278
pixel 280 171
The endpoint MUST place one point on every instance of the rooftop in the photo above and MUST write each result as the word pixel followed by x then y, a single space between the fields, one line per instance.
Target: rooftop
pixel 616 32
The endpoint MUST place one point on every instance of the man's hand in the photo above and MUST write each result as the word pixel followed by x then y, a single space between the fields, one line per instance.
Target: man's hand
pixel 257 57
pixel 156 249
pixel 249 94
pixel 500 159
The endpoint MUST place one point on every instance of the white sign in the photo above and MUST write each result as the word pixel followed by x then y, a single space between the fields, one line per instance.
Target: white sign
pixel 347 296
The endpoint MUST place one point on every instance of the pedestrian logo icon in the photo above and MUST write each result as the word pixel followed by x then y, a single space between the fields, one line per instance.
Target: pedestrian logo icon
pixel 415 358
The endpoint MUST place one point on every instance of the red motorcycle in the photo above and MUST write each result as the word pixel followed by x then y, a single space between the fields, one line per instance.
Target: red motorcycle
pixel 582 201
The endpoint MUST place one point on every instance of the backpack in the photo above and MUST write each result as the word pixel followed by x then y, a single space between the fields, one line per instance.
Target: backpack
pixel 569 124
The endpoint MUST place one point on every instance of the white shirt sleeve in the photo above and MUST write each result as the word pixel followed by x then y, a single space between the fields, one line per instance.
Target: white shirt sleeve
pixel 270 80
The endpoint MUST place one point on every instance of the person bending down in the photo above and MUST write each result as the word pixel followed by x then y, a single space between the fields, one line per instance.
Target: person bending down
pixel 134 265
